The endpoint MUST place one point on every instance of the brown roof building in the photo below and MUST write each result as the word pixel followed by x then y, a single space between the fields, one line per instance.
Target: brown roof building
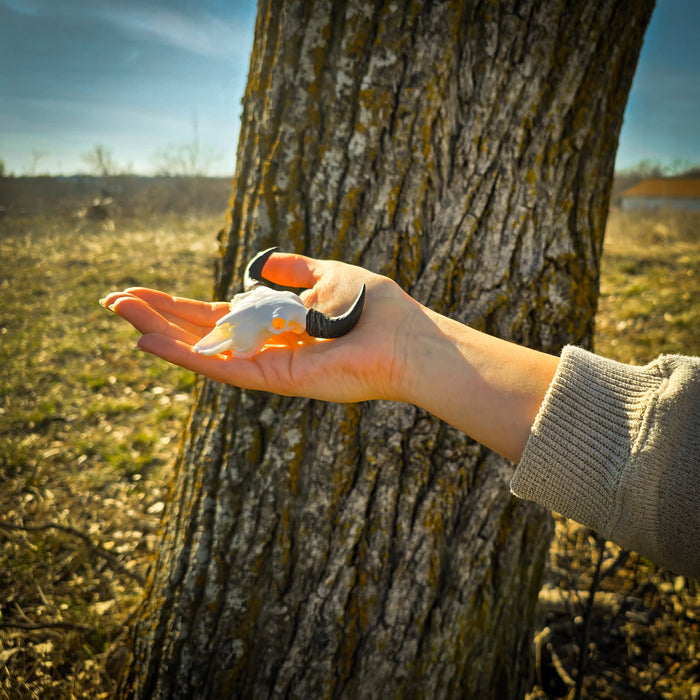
pixel 658 193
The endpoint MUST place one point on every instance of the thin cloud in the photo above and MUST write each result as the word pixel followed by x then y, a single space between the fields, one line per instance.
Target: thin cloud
pixel 23 7
pixel 198 32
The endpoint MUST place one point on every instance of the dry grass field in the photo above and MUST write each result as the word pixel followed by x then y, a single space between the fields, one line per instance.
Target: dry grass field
pixel 89 428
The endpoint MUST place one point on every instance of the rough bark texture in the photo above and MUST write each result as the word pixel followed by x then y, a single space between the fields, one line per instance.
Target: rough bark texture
pixel 466 149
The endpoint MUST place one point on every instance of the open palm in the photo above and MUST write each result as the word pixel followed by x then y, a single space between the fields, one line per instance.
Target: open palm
pixel 362 365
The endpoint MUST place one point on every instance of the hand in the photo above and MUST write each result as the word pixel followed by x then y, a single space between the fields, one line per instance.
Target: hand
pixel 367 363
pixel 399 350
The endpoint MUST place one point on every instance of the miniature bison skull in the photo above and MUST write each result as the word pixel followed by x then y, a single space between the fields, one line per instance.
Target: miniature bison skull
pixel 260 312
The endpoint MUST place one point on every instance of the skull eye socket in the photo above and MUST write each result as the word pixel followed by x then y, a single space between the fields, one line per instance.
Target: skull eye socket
pixel 278 323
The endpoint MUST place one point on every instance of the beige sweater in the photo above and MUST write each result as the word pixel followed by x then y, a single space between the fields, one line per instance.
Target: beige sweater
pixel 617 448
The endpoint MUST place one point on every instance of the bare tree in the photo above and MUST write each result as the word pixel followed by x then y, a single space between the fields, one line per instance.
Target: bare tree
pixel 101 161
pixel 188 160
pixel 317 550
pixel 36 156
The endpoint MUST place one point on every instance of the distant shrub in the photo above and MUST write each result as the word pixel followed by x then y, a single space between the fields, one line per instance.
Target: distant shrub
pixel 133 196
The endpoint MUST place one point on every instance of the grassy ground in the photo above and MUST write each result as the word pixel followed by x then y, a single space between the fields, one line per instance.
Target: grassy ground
pixel 89 428
pixel 650 286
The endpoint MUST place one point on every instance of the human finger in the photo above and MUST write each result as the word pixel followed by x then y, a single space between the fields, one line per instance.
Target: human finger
pixel 116 300
pixel 147 319
pixel 292 270
pixel 220 368
pixel 109 299
pixel 201 313
pixel 190 311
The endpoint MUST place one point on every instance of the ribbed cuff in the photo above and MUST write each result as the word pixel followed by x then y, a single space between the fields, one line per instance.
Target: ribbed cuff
pixel 580 442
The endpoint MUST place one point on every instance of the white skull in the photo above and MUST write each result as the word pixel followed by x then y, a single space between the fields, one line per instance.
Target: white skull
pixel 254 318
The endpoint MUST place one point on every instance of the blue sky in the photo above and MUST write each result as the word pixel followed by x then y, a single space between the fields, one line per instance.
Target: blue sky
pixel 143 77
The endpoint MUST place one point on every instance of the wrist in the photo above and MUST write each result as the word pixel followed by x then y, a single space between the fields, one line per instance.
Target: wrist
pixel 424 350
pixel 488 388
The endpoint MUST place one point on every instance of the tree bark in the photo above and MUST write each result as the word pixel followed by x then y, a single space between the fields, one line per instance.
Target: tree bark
pixel 319 550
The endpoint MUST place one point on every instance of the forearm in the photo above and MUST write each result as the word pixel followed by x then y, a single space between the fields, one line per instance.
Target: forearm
pixel 488 388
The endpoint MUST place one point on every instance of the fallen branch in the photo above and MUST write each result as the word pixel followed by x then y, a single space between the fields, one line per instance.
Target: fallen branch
pixel 584 653
pixel 57 624
pixel 112 560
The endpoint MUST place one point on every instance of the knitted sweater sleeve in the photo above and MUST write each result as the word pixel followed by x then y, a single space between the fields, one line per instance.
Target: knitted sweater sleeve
pixel 617 448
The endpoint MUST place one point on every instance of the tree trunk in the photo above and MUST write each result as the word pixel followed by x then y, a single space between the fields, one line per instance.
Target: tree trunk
pixel 319 550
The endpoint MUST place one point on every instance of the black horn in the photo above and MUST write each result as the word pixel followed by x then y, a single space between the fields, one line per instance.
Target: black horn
pixel 318 325
pixel 253 273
